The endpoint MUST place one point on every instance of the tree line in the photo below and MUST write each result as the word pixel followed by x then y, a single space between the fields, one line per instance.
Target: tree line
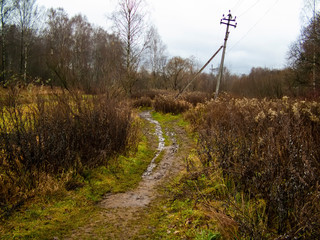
pixel 50 47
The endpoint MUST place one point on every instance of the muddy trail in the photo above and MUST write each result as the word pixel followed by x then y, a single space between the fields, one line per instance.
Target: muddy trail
pixel 122 213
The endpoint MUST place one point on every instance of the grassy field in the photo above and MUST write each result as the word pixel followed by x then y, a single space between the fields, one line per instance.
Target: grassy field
pixel 251 166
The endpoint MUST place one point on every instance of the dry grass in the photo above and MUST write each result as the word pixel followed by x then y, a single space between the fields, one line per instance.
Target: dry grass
pixel 269 151
pixel 196 97
pixel 51 137
pixel 227 226
pixel 142 102
pixel 168 104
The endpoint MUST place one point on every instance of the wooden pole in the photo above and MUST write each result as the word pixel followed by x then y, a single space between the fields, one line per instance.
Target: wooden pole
pixel 229 19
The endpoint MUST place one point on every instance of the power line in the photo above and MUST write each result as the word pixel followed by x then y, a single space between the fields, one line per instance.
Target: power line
pixel 257 22
pixel 253 5
pixel 237 5
pixel 197 74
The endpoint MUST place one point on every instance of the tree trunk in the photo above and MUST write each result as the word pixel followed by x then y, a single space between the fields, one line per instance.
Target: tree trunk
pixel 25 63
pixel 3 57
pixel 21 52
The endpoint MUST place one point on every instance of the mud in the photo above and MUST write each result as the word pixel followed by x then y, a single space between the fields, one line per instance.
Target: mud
pixel 121 213
pixel 159 134
pixel 145 192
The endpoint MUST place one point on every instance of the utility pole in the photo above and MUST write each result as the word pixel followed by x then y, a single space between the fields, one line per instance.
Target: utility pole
pixel 230 22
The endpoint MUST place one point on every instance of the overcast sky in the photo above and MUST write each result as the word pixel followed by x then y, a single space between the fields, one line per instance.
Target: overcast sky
pixel 192 28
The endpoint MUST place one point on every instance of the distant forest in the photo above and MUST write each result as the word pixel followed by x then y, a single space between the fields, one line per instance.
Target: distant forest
pixel 49 47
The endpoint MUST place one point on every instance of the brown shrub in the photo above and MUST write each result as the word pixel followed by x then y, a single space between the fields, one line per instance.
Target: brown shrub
pixel 196 97
pixel 151 93
pixel 67 133
pixel 142 102
pixel 270 149
pixel 168 104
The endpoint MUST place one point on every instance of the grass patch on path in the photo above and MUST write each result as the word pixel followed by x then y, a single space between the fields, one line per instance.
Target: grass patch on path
pixel 168 122
pixel 176 215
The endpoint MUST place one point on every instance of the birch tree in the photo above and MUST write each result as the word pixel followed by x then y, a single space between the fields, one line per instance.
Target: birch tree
pixel 130 26
pixel 26 18
pixel 5 12
pixel 156 59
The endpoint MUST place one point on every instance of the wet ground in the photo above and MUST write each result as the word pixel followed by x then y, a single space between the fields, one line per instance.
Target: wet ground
pixel 121 212
pixel 145 192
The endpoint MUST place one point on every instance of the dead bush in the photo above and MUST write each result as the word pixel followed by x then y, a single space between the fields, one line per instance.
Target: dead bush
pixel 65 133
pixel 142 102
pixel 168 104
pixel 270 149
pixel 196 97
pixel 151 93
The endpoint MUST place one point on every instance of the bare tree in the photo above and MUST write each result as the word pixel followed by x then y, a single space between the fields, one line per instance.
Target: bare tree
pixel 82 52
pixel 59 41
pixel 309 14
pixel 178 71
pixel 304 56
pixel 79 55
pixel 107 60
pixel 308 10
pixel 130 25
pixel 156 58
pixel 26 18
pixel 69 49
pixel 5 11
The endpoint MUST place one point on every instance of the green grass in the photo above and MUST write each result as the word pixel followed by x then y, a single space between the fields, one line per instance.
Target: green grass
pixel 178 218
pixel 49 218
pixel 167 122
pixel 164 119
pixel 179 214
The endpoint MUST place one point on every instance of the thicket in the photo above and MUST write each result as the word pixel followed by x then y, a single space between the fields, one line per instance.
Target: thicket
pixel 51 136
pixel 168 104
pixel 263 158
pixel 196 97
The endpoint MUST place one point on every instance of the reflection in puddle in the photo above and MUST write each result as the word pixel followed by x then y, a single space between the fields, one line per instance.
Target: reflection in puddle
pixel 159 133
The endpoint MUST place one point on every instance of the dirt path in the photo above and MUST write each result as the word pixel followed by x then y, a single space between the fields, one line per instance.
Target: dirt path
pixel 120 213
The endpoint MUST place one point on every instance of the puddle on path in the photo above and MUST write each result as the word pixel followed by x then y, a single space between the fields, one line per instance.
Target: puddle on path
pixel 159 134
pixel 120 213
pixel 145 192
